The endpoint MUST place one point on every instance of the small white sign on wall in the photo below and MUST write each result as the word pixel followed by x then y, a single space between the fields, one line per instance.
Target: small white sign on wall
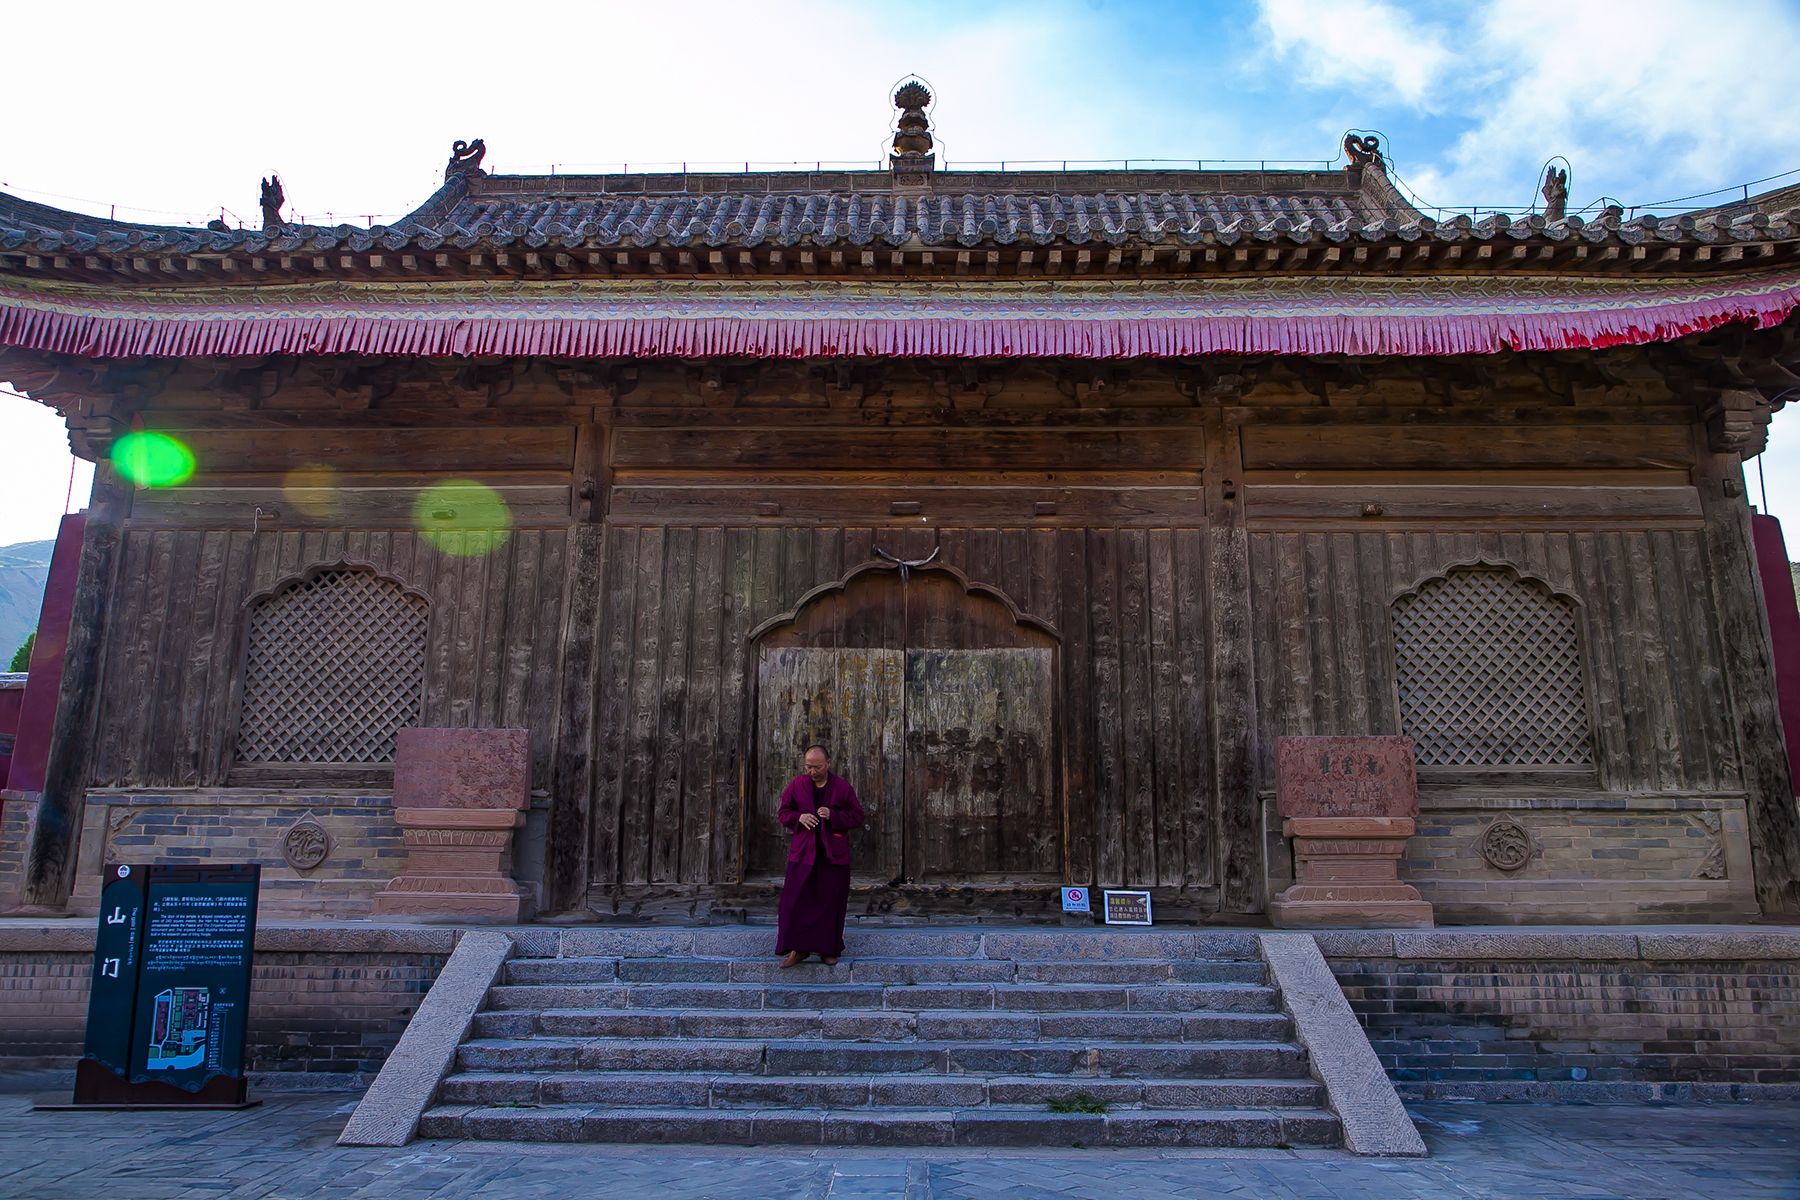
pixel 1127 908
pixel 1075 899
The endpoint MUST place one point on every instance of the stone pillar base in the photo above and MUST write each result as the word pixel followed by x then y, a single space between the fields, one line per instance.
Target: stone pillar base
pixel 1350 877
pixel 456 868
pixel 459 796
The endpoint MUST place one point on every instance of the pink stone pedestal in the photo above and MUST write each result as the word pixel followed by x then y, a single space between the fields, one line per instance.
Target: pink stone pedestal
pixel 458 796
pixel 1349 803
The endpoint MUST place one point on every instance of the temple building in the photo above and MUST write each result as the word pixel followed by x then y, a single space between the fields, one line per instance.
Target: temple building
pixel 1046 500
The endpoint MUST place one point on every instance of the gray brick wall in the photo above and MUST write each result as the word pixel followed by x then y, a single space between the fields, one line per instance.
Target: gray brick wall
pixel 43 1003
pixel 310 1011
pixel 1537 1021
pixel 246 826
pixel 1595 858
pixel 241 825
pixel 1573 845
pixel 15 840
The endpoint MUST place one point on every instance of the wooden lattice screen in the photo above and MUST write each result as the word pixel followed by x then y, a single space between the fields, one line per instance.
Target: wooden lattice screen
pixel 333 668
pixel 1490 673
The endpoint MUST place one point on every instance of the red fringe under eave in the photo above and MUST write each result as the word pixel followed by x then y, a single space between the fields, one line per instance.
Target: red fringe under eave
pixel 26 321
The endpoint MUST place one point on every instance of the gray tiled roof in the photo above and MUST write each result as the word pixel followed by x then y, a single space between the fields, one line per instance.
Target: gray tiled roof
pixel 503 211
pixel 863 209
pixel 966 210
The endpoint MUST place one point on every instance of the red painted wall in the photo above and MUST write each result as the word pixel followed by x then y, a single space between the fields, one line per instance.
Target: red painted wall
pixel 1784 627
pixel 37 713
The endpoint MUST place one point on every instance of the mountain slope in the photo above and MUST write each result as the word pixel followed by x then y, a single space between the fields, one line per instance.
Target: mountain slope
pixel 23 569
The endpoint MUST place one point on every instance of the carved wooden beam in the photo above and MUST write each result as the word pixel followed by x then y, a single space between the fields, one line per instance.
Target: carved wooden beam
pixel 1737 422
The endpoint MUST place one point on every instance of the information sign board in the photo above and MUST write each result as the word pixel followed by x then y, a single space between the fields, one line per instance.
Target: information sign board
pixel 193 994
pixel 1127 908
pixel 170 1005
pixel 113 990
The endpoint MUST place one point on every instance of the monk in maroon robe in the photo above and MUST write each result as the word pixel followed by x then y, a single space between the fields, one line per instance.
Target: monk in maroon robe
pixel 818 808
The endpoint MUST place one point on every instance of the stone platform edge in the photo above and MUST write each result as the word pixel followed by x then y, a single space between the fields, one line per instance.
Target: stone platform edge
pixel 1660 943
pixel 1655 943
pixel 1357 1089
pixel 1591 1091
pixel 388 1114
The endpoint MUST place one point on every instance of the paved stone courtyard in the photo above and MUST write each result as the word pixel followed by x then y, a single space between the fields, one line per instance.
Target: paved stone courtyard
pixel 286 1150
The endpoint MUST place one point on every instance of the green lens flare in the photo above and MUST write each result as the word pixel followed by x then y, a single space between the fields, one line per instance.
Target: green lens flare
pixel 463 517
pixel 153 460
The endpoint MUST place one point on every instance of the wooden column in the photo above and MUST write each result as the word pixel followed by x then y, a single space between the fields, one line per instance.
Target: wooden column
pixel 56 831
pixel 568 830
pixel 1750 672
pixel 1231 681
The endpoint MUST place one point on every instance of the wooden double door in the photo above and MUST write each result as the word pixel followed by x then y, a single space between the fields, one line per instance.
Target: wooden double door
pixel 939 708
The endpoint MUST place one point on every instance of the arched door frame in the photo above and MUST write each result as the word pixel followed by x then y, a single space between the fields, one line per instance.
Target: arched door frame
pixel 1034 632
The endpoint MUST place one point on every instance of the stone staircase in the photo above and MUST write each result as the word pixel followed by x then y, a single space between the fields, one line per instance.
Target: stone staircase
pixel 1014 1037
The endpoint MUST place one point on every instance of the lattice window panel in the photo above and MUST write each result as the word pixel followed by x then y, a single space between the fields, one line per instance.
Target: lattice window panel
pixel 333 669
pixel 1490 673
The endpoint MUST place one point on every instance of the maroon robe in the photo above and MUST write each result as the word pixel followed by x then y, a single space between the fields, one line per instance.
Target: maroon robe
pixel 816 893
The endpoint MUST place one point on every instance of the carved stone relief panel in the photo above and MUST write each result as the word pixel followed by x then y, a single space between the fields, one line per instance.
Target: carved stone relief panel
pixel 1713 865
pixel 1506 845
pixel 306 843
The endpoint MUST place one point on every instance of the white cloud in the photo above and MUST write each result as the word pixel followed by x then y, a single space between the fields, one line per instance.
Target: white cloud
pixel 365 129
pixel 1359 43
pixel 1641 99
pixel 1649 100
pixel 177 110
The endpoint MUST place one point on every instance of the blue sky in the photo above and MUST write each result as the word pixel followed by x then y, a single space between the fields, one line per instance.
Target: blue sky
pixel 172 113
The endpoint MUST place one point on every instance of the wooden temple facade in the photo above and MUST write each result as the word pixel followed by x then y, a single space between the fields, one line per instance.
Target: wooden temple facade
pixel 1047 501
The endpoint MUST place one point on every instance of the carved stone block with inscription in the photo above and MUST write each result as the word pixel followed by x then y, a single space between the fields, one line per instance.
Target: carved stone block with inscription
pixel 1348 803
pixel 458 796
pixel 1346 777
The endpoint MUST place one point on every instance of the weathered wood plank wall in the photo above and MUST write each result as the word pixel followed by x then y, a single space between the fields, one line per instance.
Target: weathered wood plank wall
pixel 678 657
pixel 1600 505
pixel 175 631
pixel 1214 577
pixel 1324 644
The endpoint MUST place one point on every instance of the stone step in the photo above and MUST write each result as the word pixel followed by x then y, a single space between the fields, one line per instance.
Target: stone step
pixel 630 1089
pixel 1019 997
pixel 916 1038
pixel 937 1025
pixel 1272 1127
pixel 879 971
pixel 1148 1060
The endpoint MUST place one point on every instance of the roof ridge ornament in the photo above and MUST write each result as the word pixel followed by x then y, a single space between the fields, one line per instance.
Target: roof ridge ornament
pixel 465 159
pixel 912 159
pixel 272 200
pixel 1556 193
pixel 1364 151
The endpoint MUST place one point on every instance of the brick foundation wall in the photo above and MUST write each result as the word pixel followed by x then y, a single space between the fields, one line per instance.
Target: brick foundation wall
pixel 1481 1014
pixel 15 841
pixel 238 825
pixel 43 1008
pixel 334 1008
pixel 1530 1015
pixel 1580 845
pixel 235 825
pixel 334 1012
pixel 1595 858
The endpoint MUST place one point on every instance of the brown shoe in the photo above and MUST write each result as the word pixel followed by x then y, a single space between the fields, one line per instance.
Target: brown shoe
pixel 794 959
pixel 830 962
